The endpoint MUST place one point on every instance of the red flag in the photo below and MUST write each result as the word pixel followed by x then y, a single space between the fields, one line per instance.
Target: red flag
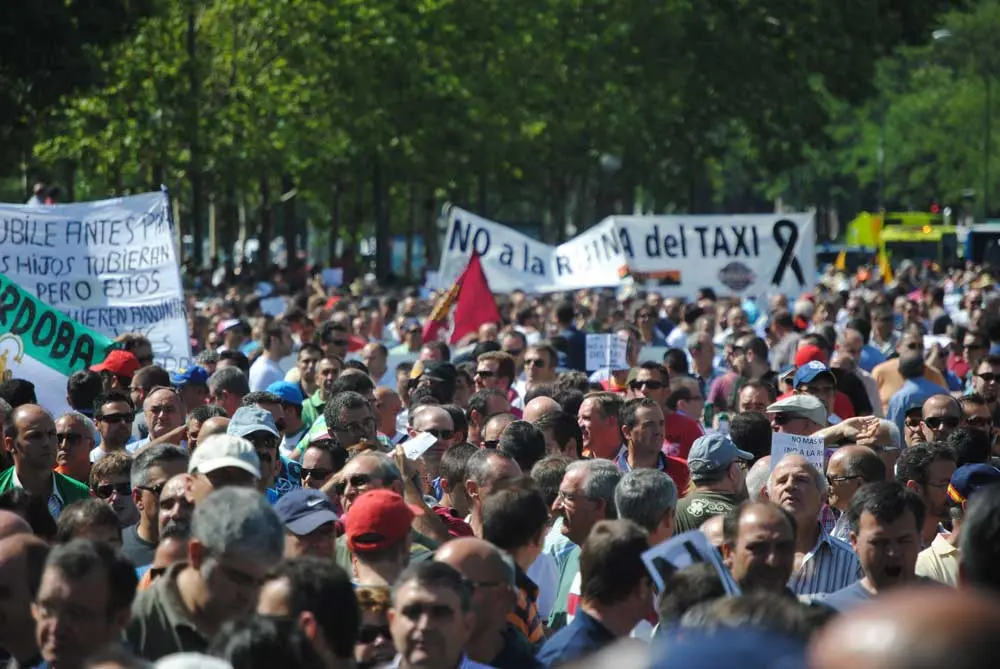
pixel 473 301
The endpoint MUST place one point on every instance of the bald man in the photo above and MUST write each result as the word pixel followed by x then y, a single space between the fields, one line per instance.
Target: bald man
pixel 940 416
pixel 213 426
pixel 494 427
pixel 21 560
pixel 388 406
pixel 493 641
pixel 913 628
pixel 849 468
pixel 538 407
pixel 30 436
pixel 437 422
pixel 712 529
pixel 11 524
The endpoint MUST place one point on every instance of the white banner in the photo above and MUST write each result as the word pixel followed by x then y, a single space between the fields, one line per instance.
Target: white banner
pixel 110 265
pixel 751 254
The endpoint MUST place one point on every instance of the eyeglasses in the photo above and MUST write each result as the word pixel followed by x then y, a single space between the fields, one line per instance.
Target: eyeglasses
pixel 440 434
pixel 841 479
pixel 987 377
pixel 70 438
pixel 981 422
pixel 356 428
pixel 485 373
pixel 371 633
pixel 936 422
pixel 115 418
pixel 785 418
pixel 534 362
pixel 316 473
pixel 650 385
pixel 105 490
pixel 155 490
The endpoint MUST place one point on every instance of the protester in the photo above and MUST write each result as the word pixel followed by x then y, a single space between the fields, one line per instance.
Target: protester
pixel 759 546
pixel 849 468
pixel 226 388
pixel 598 418
pixel 22 559
pixel 198 420
pixel 75 438
pixel 236 538
pixel 374 646
pixel 717 474
pixel 276 343
pixel 110 481
pixel 30 436
pixel 615 593
pixel 319 597
pixel 310 523
pixel 223 460
pixel 823 564
pixel 327 371
pixel 164 415
pixel 927 469
pixel 192 385
pixel 113 415
pixel 89 519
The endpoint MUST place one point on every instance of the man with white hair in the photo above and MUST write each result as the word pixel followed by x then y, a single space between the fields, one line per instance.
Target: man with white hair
pixel 823 564
pixel 75 438
pixel 236 539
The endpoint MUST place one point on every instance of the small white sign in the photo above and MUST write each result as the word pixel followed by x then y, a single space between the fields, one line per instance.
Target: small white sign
pixel 418 445
pixel 607 351
pixel 684 550
pixel 812 449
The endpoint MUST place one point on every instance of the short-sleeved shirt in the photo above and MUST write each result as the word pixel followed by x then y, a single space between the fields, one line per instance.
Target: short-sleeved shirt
pixel 161 624
pixel 139 551
pixel 939 562
pixel 828 567
pixel 681 430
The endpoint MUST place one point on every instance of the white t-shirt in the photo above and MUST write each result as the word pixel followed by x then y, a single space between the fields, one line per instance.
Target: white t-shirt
pixel 264 372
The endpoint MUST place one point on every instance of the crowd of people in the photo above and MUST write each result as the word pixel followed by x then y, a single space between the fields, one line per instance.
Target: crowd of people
pixel 328 488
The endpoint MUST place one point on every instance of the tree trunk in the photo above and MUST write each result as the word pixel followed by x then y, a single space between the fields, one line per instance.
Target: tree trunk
pixel 194 162
pixel 383 235
pixel 266 231
pixel 431 251
pixel 335 200
pixel 411 232
pixel 293 237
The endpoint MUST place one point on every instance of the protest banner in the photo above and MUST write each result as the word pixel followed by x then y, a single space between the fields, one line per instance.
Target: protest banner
pixel 812 449
pixel 110 265
pixel 44 346
pixel 607 351
pixel 753 254
pixel 684 550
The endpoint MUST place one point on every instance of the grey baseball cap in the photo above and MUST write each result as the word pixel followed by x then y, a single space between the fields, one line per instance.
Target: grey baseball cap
pixel 803 405
pixel 248 420
pixel 712 452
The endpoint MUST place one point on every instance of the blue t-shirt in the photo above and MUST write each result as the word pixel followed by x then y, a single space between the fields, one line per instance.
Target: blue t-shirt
pixel 848 598
pixel 580 638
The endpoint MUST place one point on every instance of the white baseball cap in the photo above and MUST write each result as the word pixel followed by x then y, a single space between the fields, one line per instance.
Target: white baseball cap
pixel 224 450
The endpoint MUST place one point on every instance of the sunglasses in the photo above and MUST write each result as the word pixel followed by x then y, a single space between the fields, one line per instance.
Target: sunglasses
pixel 980 422
pixel 914 420
pixel 69 437
pixel 935 422
pixel 115 418
pixel 316 473
pixel 105 490
pixel 785 418
pixel 987 377
pixel 487 374
pixel 534 362
pixel 650 385
pixel 371 633
pixel 155 490
pixel 440 434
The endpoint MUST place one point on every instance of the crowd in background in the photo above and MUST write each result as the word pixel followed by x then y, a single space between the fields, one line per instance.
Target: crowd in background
pixel 326 487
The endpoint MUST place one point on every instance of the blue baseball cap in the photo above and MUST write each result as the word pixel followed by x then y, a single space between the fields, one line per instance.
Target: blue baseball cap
pixel 808 372
pixel 248 420
pixel 712 452
pixel 289 392
pixel 304 510
pixel 194 375
pixel 969 479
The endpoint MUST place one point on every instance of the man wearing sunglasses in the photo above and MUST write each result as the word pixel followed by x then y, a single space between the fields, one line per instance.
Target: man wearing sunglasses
pixel 164 414
pixel 649 379
pixel 149 473
pixel 977 414
pixel 75 434
pixel 257 426
pixel 110 483
pixel 941 415
pixel 113 416
pixel 435 421
pixel 986 382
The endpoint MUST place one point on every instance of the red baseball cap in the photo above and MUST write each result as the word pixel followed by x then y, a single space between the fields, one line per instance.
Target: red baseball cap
pixel 809 353
pixel 119 363
pixel 378 519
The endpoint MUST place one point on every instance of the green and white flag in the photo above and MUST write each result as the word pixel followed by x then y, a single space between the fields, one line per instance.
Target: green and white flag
pixel 43 345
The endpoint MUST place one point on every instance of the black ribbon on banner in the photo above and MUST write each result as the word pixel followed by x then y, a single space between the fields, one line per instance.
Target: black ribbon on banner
pixel 786 234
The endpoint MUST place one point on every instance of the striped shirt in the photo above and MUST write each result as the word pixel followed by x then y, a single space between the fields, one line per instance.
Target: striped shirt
pixel 828 567
pixel 525 615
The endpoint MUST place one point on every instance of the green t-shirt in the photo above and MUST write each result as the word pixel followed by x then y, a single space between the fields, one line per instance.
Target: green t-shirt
pixel 699 506
pixel 557 617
